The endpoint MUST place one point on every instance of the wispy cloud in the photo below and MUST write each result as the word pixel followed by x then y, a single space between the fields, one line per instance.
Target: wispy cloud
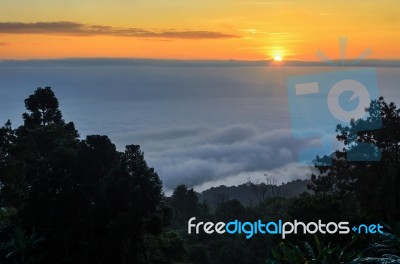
pixel 79 29
pixel 3 44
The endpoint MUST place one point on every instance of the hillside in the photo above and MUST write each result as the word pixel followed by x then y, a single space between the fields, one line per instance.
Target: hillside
pixel 250 194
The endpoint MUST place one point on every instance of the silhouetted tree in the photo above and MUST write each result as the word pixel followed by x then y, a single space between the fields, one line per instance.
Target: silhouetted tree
pixel 185 204
pixel 43 108
pixel 231 210
pixel 87 202
pixel 367 188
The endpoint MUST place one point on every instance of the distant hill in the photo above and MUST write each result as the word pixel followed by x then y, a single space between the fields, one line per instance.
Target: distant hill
pixel 250 194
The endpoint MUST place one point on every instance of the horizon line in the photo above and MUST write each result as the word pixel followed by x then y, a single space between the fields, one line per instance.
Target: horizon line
pixel 212 62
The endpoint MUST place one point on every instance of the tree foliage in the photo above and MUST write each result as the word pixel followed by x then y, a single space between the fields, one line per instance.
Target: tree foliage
pixel 369 188
pixel 86 201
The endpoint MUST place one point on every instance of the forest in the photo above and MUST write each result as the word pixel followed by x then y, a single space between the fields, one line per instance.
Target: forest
pixel 67 199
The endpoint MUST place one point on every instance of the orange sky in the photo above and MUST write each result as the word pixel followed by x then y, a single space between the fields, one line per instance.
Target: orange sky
pixel 224 29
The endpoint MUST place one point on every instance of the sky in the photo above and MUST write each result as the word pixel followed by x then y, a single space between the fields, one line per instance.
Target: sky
pixel 201 86
pixel 177 29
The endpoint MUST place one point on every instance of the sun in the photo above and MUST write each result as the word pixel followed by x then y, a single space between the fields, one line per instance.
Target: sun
pixel 277 58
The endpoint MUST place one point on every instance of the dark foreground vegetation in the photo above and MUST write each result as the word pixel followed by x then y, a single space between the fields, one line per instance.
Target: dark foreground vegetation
pixel 64 199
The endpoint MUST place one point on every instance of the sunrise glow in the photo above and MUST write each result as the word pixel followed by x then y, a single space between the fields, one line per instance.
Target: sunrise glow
pixel 243 30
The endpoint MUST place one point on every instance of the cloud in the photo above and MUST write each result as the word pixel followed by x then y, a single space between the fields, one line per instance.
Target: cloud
pixel 138 80
pixel 199 123
pixel 3 44
pixel 227 155
pixel 79 29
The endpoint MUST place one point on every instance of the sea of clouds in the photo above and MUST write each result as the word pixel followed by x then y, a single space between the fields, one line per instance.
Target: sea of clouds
pixel 202 124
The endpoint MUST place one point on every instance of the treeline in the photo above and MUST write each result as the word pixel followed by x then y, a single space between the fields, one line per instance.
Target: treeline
pixel 65 199
pixel 253 192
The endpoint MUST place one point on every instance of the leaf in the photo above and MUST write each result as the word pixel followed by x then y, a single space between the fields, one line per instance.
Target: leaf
pixel 310 251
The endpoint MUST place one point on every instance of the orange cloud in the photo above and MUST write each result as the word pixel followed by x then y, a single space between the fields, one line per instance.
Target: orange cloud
pixel 74 29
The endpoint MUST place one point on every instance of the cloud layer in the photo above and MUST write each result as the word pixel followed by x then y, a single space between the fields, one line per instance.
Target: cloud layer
pixel 79 29
pixel 205 156
pixel 199 123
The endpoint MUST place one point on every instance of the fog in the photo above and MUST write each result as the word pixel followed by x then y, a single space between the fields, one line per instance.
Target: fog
pixel 199 123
